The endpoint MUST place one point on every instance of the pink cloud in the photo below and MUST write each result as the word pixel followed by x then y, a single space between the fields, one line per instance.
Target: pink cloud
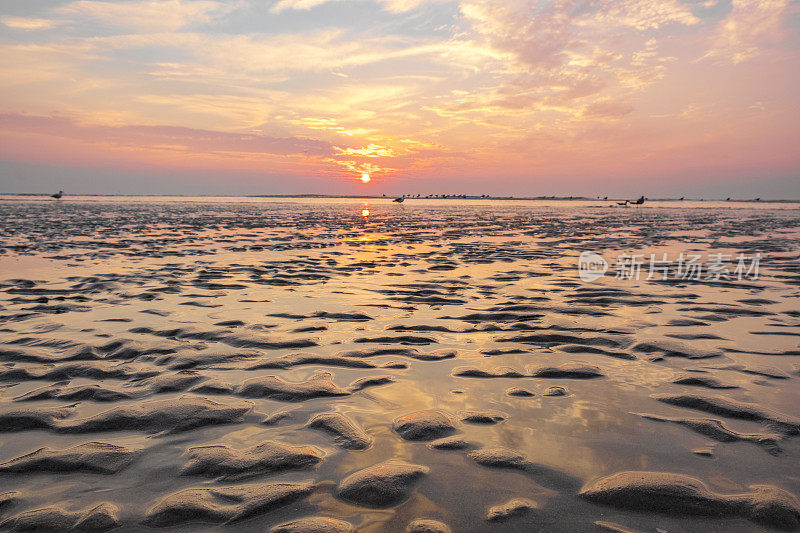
pixel 178 137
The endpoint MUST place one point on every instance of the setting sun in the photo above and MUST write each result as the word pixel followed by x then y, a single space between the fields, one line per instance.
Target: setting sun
pixel 365 178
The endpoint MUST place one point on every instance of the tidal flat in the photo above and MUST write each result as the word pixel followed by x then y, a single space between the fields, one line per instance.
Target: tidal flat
pixel 326 365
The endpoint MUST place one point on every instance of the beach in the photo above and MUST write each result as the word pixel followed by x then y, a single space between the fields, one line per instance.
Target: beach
pixel 318 364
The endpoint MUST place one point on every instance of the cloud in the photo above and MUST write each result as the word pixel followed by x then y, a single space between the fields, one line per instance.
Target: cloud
pixel 537 37
pixel 300 5
pixel 549 34
pixel 320 50
pixel 640 14
pixel 394 6
pixel 147 16
pixel 751 26
pixel 29 24
pixel 571 57
pixel 173 137
pixel 373 150
pixel 608 109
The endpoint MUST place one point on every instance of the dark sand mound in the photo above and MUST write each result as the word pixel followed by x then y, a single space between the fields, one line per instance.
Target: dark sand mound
pixel 487 416
pixel 203 360
pixel 475 318
pixel 702 381
pixel 423 327
pixel 67 371
pixel 765 371
pixel 733 409
pixel 519 392
pixel 22 419
pixel 91 457
pixel 554 339
pixel 315 524
pixel 347 433
pixel 223 504
pixel 497 372
pixel 100 517
pixel 501 458
pixel 317 386
pixel 510 509
pixel 7 499
pixel 94 393
pixel 274 418
pixel 715 429
pixel 578 348
pixel 177 382
pixel 381 485
pixel 170 416
pixel 424 425
pixel 566 371
pixel 232 465
pixel 674 349
pixel 427 526
pixel 299 359
pixel 451 443
pixel 555 391
pixel 370 381
pixel 237 339
pixel 354 316
pixel 411 353
pixel 680 494
pixel 213 386
pixel 400 339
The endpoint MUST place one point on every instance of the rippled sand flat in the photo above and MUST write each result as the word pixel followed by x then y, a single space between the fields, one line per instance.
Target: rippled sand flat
pixel 257 365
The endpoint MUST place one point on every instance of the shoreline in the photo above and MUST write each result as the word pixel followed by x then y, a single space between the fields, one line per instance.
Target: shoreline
pixel 6 196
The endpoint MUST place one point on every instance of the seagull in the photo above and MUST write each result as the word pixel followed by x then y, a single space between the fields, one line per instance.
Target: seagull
pixel 58 195
pixel 640 201
pixel 623 203
pixel 399 200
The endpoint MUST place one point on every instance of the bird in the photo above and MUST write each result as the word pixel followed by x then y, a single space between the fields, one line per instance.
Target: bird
pixel 758 199
pixel 640 201
pixel 623 203
pixel 682 197
pixel 728 199
pixel 400 199
pixel 58 195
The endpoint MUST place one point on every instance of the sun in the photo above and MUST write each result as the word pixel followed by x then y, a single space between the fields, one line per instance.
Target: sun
pixel 365 178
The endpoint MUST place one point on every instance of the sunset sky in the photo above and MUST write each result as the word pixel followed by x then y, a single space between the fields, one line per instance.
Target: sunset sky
pixel 654 97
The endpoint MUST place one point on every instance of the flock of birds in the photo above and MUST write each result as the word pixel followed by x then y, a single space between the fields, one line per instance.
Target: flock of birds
pixel 626 203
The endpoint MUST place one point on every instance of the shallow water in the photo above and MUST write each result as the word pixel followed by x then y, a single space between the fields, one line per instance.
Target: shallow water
pixel 152 298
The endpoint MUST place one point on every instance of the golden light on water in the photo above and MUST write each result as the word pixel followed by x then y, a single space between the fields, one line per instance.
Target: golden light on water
pixel 365 212
pixel 365 178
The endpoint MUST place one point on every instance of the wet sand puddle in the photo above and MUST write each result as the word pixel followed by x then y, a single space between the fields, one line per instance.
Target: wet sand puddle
pixel 305 367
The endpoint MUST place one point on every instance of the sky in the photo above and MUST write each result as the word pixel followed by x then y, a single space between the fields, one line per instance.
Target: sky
pixel 663 98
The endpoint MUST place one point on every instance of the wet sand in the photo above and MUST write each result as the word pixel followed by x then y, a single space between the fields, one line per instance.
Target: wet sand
pixel 207 364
